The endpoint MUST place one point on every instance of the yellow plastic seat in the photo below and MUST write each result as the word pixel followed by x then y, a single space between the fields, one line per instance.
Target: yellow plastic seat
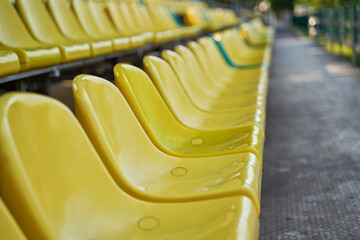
pixel 162 32
pixel 146 24
pixel 133 23
pixel 168 134
pixel 150 174
pixel 258 76
pixel 106 26
pixel 14 36
pixel 162 21
pixel 233 80
pixel 44 29
pixel 192 17
pixel 185 31
pixel 56 186
pixel 206 47
pixel 210 48
pixel 70 27
pixel 198 96
pixel 9 62
pixel 237 50
pixel 92 27
pixel 136 39
pixel 256 33
pixel 187 112
pixel 240 52
pixel 9 229
pixel 207 82
pixel 261 27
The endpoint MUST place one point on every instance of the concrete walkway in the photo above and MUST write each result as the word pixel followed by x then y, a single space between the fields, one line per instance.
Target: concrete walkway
pixel 311 181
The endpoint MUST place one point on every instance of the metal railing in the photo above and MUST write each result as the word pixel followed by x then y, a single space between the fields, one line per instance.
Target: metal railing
pixel 339 27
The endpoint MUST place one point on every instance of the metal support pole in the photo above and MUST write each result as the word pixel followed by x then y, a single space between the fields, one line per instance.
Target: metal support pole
pixel 353 32
pixel 340 28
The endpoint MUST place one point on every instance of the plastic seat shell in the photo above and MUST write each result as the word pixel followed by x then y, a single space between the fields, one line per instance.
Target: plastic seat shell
pixel 14 36
pixel 70 27
pixel 168 134
pixel 150 174
pixel 44 29
pixel 56 186
pixel 9 62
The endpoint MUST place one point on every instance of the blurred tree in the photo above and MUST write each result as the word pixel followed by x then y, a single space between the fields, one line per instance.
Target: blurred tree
pixel 278 5
pixel 323 3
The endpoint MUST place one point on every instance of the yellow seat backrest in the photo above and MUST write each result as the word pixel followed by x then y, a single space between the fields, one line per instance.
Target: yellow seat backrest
pixel 13 32
pixel 143 11
pixel 168 18
pixel 65 18
pixel 188 79
pixel 132 23
pixel 86 19
pixel 155 12
pixel 139 18
pixel 203 59
pixel 168 86
pixel 210 49
pixel 193 63
pixel 39 21
pixel 9 229
pixel 117 17
pixel 148 106
pixel 102 19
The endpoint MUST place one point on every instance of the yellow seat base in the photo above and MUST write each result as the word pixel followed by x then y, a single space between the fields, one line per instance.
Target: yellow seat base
pixel 37 58
pixel 71 52
pixel 101 47
pixel 9 62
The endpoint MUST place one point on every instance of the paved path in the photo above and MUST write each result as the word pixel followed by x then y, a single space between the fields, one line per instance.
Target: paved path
pixel 311 181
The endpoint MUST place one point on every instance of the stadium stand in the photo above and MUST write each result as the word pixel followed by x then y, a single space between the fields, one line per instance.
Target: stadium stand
pixel 172 150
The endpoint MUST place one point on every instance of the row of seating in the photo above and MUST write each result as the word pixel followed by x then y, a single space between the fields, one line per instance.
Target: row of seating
pixel 173 151
pixel 210 19
pixel 38 33
pixel 179 7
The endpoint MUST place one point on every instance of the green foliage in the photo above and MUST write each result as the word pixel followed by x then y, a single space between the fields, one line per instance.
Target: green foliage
pixel 323 3
pixel 279 5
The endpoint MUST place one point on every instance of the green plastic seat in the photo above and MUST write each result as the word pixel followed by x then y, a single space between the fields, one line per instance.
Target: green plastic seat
pixel 150 174
pixel 56 186
pixel 9 229
pixel 15 36
pixel 70 27
pixel 168 134
pixel 9 62
pixel 44 29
